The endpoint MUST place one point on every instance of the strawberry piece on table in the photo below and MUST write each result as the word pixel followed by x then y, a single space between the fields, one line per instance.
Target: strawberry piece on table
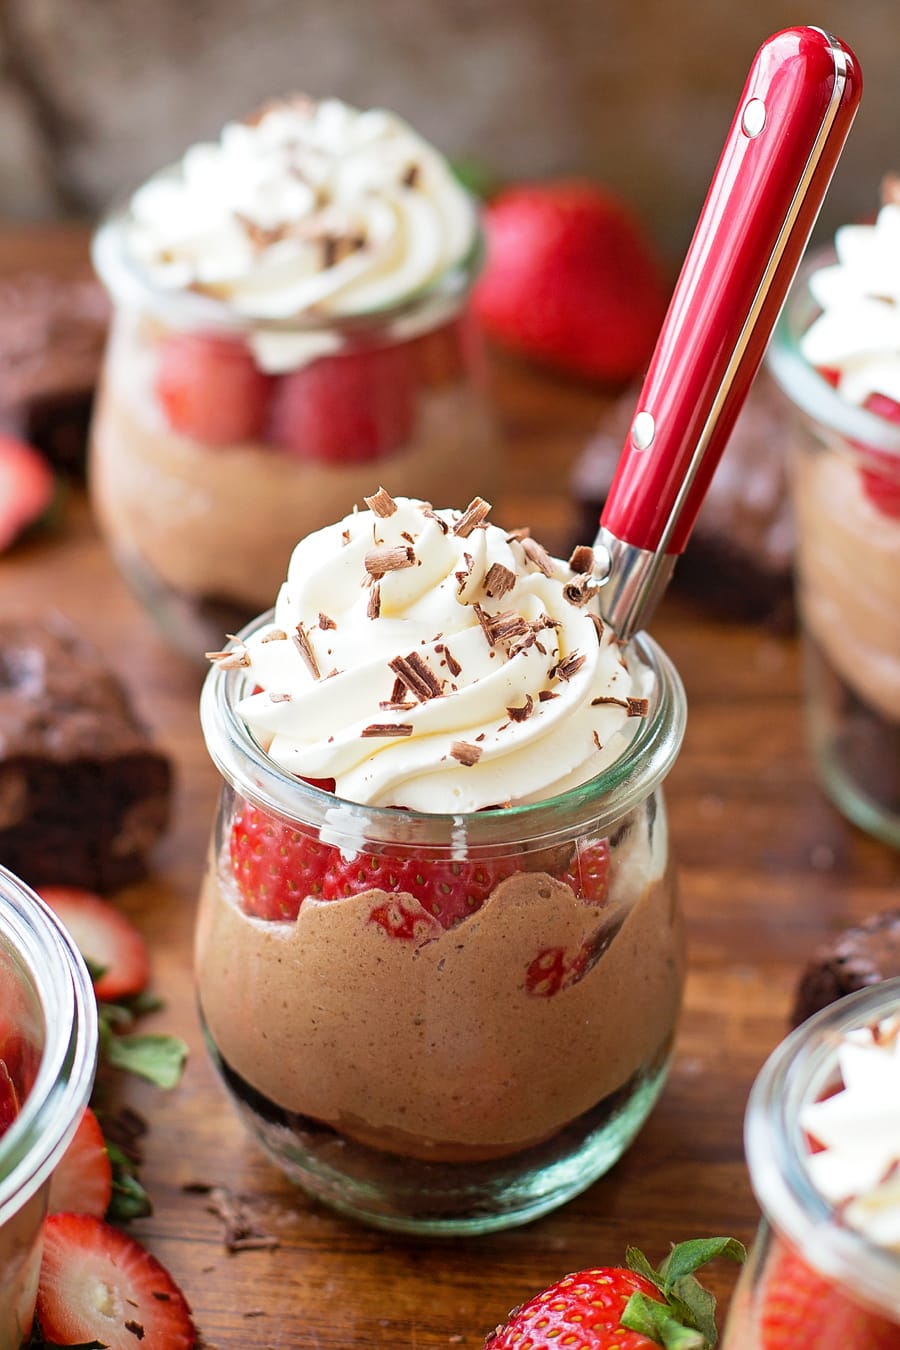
pixel 801 1310
pixel 276 867
pixel 82 1182
pixel 356 406
pixel 27 487
pixel 619 1308
pixel 107 940
pixel 881 477
pixel 9 1098
pixel 211 389
pixel 98 1284
pixel 570 280
pixel 446 889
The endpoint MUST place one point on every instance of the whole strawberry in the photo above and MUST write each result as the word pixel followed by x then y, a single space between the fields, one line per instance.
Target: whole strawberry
pixel 571 280
pixel 635 1307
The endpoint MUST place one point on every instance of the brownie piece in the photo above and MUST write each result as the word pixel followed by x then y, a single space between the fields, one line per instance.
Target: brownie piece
pixel 83 793
pixel 739 560
pixel 52 334
pixel 856 957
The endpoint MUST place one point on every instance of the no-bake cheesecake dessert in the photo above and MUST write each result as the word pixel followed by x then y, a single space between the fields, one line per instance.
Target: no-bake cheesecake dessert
pixel 836 353
pixel 291 308
pixel 440 875
pixel 821 1136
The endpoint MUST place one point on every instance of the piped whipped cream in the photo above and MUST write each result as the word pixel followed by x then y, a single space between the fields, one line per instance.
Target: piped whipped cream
pixel 428 659
pixel 306 209
pixel 858 332
pixel 858 1169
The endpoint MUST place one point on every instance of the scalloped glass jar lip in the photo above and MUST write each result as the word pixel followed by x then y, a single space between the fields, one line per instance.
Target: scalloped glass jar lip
pixel 128 283
pixel 803 384
pixel 32 1146
pixel 797 1072
pixel 597 804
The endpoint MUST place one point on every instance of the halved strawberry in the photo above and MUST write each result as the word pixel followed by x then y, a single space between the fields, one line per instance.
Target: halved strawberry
pixel 27 486
pixel 211 389
pixel 448 890
pixel 98 1284
pixel 10 1104
pixel 355 406
pixel 799 1308
pixel 276 867
pixel 82 1182
pixel 106 939
pixel 588 872
pixel 881 477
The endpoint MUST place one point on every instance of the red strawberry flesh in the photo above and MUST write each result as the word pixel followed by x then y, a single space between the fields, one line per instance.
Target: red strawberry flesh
pixel 801 1310
pixel 82 1181
pixel 106 938
pixel 880 475
pixel 27 487
pixel 211 390
pixel 275 865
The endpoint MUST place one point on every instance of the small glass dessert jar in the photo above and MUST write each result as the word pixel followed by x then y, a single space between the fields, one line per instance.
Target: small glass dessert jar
pixel 291 323
pixel 48 1047
pixel 424 1077
pixel 825 1272
pixel 845 462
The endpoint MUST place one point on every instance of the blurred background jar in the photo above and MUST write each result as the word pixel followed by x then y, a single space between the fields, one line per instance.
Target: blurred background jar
pixel 48 1048
pixel 270 364
pixel 813 1277
pixel 845 466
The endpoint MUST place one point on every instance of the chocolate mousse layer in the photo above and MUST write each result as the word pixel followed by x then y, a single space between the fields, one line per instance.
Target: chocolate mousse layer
pixel 443 1050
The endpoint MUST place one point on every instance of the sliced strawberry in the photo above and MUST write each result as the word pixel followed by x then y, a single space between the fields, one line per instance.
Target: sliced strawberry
pixel 27 486
pixel 107 940
pixel 276 867
pixel 802 1309
pixel 98 1284
pixel 211 389
pixel 881 477
pixel 82 1182
pixel 448 890
pixel 356 406
pixel 9 1098
pixel 588 872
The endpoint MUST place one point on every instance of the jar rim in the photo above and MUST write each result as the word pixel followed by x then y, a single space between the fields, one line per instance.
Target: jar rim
pixel 802 383
pixel 127 282
pixel 796 1073
pixel 598 803
pixel 35 1141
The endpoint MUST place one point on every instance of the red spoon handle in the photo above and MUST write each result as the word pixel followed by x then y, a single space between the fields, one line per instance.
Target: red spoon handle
pixel 788 132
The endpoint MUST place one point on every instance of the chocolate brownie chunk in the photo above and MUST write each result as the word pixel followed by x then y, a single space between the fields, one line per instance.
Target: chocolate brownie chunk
pixel 52 334
pixel 739 561
pixel 83 793
pixel 855 958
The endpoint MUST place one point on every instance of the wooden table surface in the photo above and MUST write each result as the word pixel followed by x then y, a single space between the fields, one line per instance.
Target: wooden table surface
pixel 766 865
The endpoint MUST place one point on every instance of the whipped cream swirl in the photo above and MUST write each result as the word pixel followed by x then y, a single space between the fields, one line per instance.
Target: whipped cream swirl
pixel 430 660
pixel 858 332
pixel 306 208
pixel 858 1168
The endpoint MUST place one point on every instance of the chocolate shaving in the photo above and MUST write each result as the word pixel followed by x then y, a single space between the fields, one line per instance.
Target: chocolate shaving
pixel 280 698
pixel 381 503
pixel 387 729
pixel 538 555
pixel 398 691
pixel 401 705
pixel 136 1329
pixel 475 514
pixel 463 577
pixel 276 635
pixel 597 741
pixel 411 178
pixel 570 665
pixel 232 658
pixel 242 1231
pixel 373 608
pixel 582 559
pixel 466 753
pixel 522 714
pixel 417 677
pixel 502 627
pixel 498 581
pixel 635 707
pixel 598 624
pixel 345 537
pixel 452 664
pixel 439 520
pixel 304 647
pixel 325 621
pixel 546 694
pixel 580 591
pixel 388 559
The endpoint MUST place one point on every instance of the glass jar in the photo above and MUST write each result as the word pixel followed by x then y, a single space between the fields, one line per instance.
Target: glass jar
pixel 431 1079
pixel 845 464
pixel 48 1043
pixel 809 1273
pixel 218 442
